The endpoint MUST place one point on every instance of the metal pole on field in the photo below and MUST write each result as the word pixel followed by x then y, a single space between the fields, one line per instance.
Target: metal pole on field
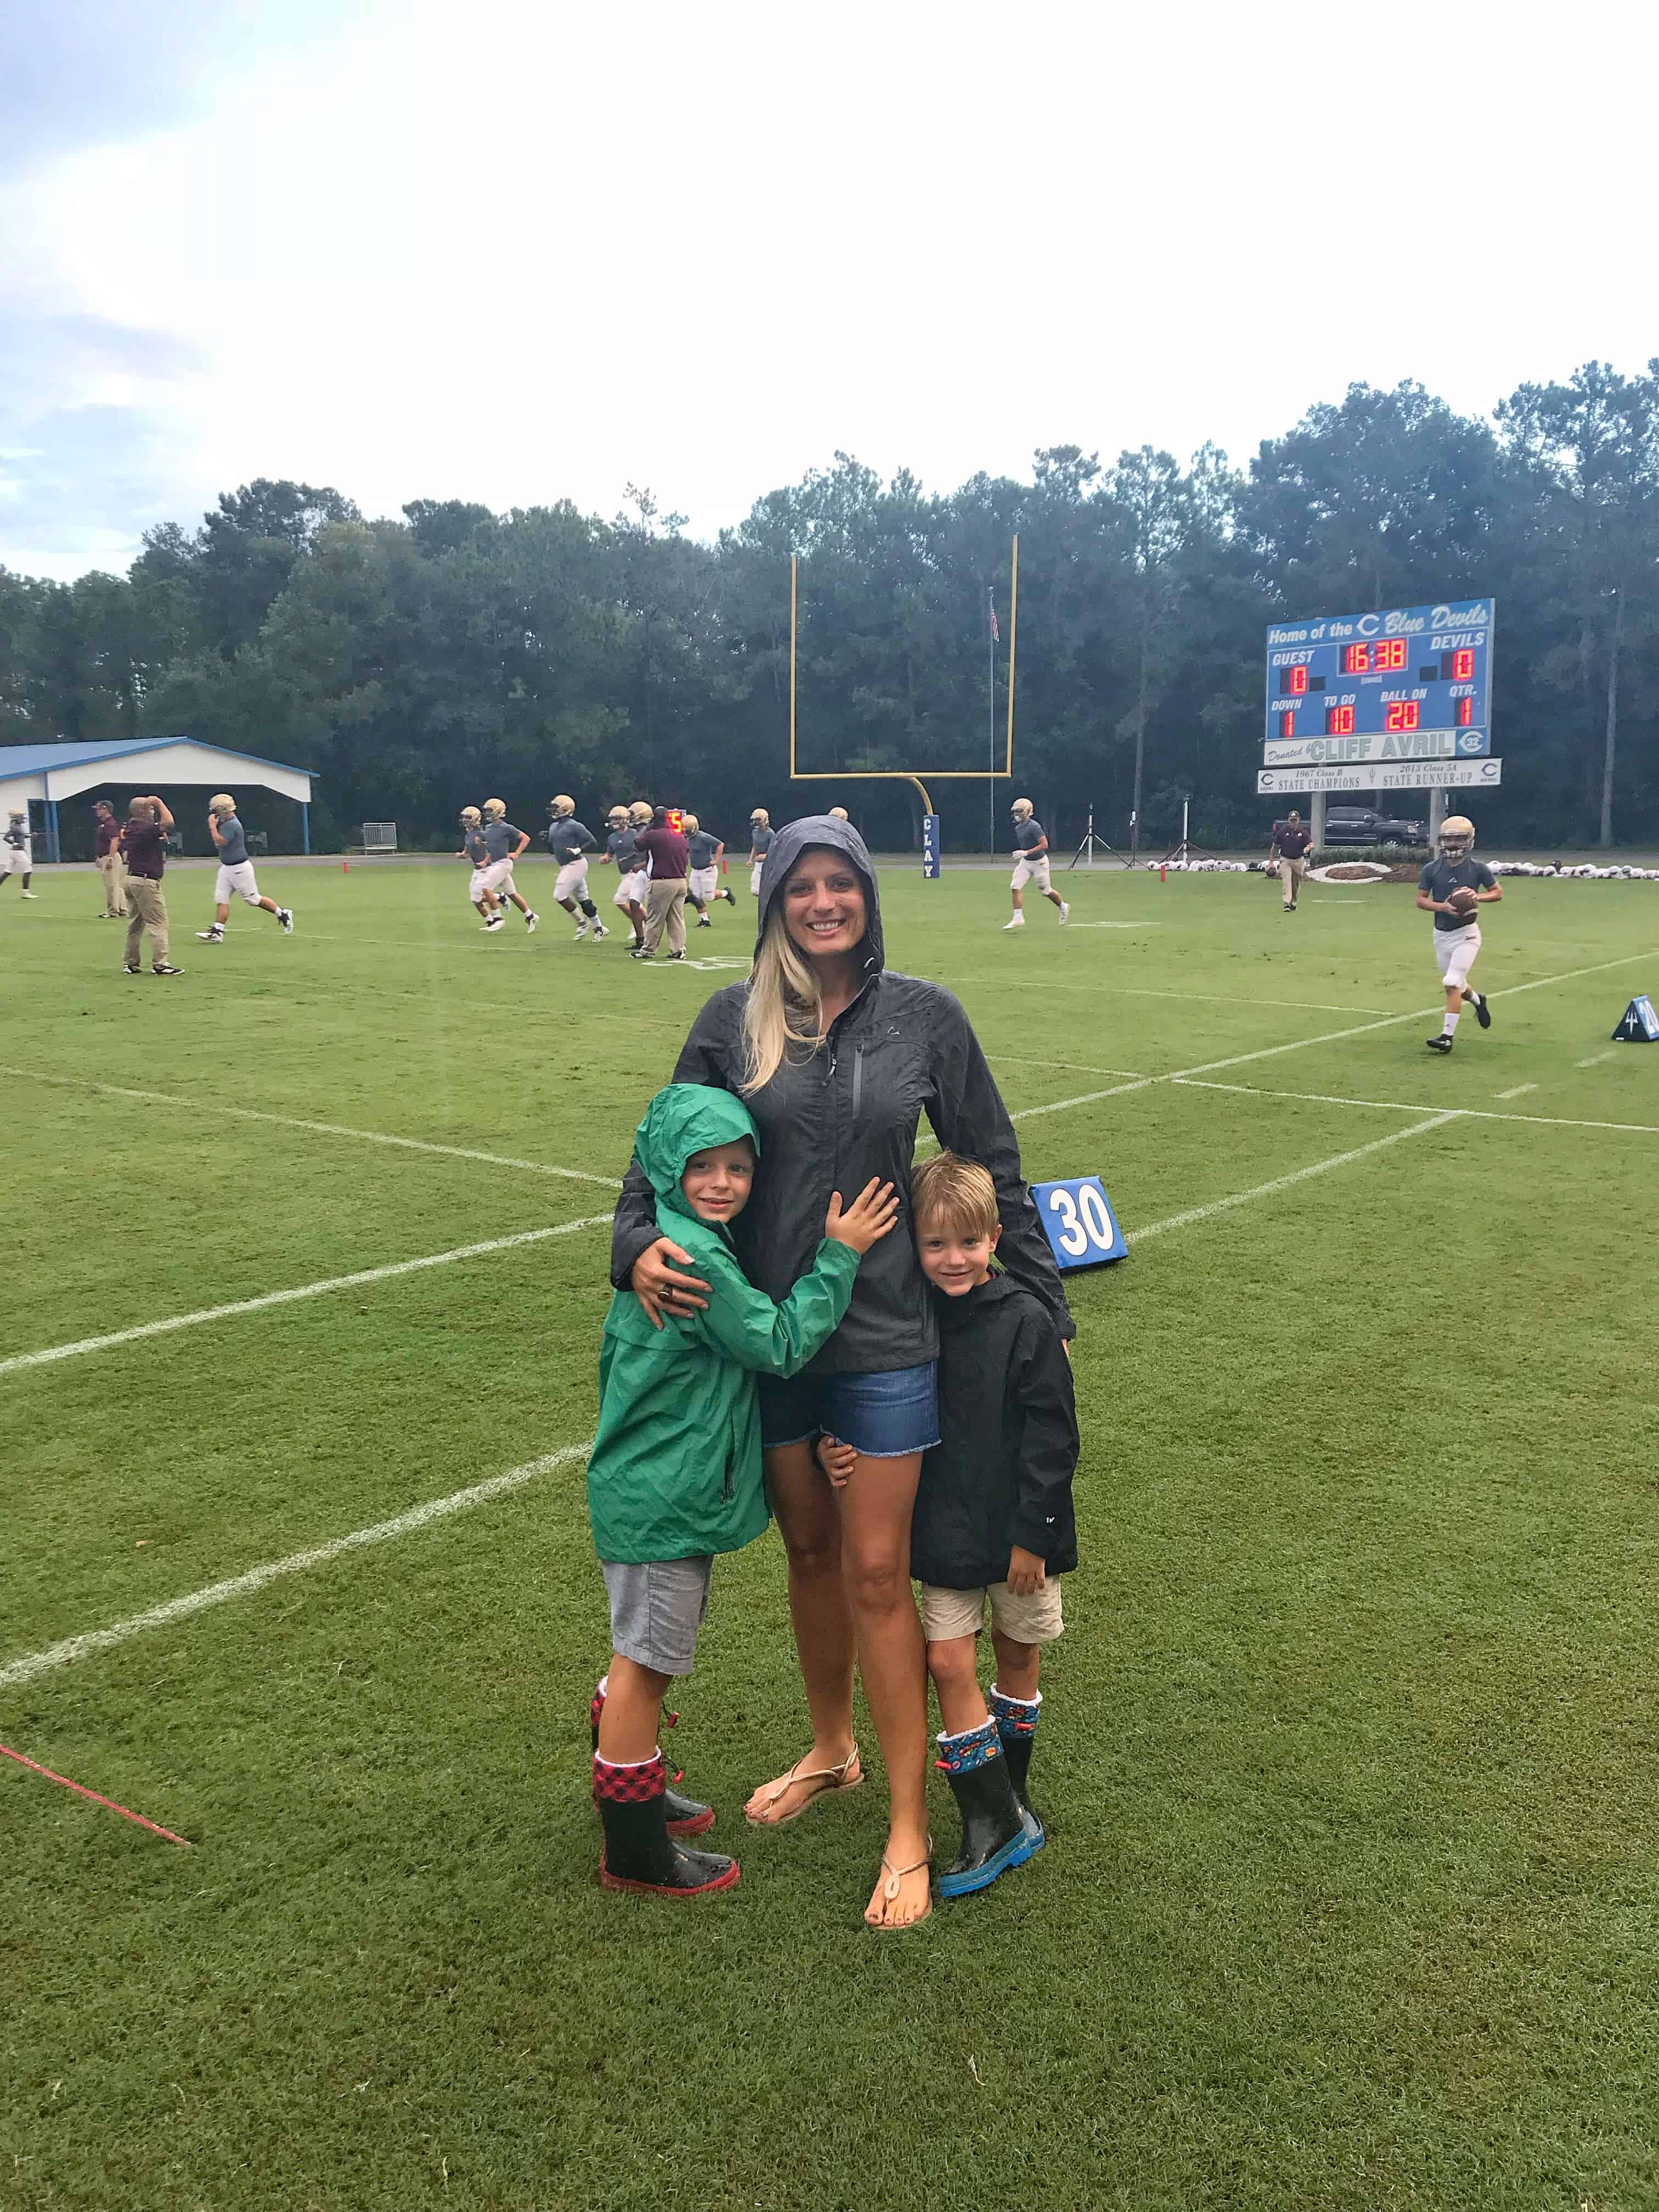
pixel 991 710
pixel 1013 633
pixel 795 564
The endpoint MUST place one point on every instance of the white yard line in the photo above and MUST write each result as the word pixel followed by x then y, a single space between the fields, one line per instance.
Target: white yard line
pixel 36 1663
pixel 1076 1066
pixel 1194 997
pixel 1419 1106
pixel 57 1352
pixel 1516 1090
pixel 314 1129
pixel 1596 1057
pixel 1285 1182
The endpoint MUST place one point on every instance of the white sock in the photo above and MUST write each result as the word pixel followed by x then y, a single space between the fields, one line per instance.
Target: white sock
pixel 1449 1025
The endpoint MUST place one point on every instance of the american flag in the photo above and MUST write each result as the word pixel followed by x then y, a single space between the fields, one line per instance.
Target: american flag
pixel 990 602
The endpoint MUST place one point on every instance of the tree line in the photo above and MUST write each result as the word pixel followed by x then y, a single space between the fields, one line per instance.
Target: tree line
pixel 420 664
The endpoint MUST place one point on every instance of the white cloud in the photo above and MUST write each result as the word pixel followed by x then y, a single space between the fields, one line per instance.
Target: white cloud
pixel 512 254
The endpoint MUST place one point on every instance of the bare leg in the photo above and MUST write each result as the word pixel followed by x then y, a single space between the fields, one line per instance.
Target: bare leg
pixel 1054 900
pixel 811 1526
pixel 633 1710
pixel 1019 898
pixel 875 1539
pixel 1018 1666
pixel 953 1666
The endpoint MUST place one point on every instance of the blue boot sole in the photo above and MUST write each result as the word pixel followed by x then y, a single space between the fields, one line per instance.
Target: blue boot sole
pixel 1014 1852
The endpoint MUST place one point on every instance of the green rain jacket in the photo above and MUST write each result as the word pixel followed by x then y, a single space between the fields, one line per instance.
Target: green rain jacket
pixel 675 1470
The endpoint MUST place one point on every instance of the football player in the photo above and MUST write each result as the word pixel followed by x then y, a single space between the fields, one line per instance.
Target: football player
pixel 235 874
pixel 499 834
pixel 474 848
pixel 1453 888
pixel 625 853
pixel 760 841
pixel 1030 864
pixel 16 856
pixel 703 886
pixel 570 841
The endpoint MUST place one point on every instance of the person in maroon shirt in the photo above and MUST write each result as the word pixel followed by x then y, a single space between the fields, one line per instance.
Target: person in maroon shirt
pixel 144 849
pixel 108 852
pixel 665 901
pixel 1290 846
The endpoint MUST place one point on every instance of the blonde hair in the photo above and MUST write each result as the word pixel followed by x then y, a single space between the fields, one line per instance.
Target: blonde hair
pixel 956 1194
pixel 783 1006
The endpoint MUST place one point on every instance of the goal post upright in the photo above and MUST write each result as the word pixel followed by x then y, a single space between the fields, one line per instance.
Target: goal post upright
pixel 913 776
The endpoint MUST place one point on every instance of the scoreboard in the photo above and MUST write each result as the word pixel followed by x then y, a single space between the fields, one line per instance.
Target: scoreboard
pixel 1410 684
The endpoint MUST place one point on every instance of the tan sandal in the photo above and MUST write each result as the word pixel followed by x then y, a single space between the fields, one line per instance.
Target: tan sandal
pixel 889 1890
pixel 846 1775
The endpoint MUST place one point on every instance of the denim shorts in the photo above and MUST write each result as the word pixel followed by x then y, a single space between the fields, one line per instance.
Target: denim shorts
pixel 656 1609
pixel 883 1416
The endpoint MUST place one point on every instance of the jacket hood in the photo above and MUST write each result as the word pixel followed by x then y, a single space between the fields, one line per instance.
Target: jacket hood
pixel 786 847
pixel 683 1119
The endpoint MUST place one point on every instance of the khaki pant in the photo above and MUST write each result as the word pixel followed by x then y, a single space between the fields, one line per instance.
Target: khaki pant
pixel 664 905
pixel 1291 873
pixel 112 869
pixel 147 910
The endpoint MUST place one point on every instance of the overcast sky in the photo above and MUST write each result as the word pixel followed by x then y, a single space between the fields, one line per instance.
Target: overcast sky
pixel 513 252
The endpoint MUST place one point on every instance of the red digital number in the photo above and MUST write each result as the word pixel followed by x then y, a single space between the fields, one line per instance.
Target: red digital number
pixel 1287 723
pixel 1402 714
pixel 1465 713
pixel 1356 660
pixel 1463 664
pixel 1298 681
pixel 1390 654
pixel 1339 722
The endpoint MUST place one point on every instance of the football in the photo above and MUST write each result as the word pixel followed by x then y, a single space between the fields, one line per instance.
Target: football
pixel 1463 899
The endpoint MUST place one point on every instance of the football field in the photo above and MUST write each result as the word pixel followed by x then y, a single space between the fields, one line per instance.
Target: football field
pixel 1349 1755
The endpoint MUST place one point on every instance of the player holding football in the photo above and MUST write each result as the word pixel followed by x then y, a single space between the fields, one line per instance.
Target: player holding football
pixel 1030 864
pixel 236 877
pixel 570 841
pixel 705 852
pixel 1452 888
pixel 498 835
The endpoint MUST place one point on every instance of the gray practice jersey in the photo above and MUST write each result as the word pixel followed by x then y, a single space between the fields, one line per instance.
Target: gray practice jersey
pixel 473 846
pixel 624 852
pixel 16 835
pixel 1028 834
pixel 567 839
pixel 500 838
pixel 233 841
pixel 701 847
pixel 1440 879
pixel 760 839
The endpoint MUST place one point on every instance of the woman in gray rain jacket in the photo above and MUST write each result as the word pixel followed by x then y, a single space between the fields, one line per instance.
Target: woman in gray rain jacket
pixel 837 1059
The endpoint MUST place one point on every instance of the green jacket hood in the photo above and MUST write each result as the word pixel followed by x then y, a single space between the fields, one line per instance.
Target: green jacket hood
pixel 684 1118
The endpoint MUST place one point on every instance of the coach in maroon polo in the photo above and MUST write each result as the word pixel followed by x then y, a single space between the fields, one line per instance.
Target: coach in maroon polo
pixel 665 901
pixel 144 851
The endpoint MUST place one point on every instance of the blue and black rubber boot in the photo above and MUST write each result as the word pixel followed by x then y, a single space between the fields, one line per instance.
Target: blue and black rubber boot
pixel 995 1833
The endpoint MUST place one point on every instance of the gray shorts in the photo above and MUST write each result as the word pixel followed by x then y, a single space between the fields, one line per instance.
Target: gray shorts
pixel 657 1607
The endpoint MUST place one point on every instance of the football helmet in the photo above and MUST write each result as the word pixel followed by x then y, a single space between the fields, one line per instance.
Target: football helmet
pixel 761 815
pixel 688 824
pixel 838 814
pixel 1456 837
pixel 470 816
pixel 1021 809
pixel 561 805
pixel 639 813
pixel 617 817
pixel 221 802
pixel 494 810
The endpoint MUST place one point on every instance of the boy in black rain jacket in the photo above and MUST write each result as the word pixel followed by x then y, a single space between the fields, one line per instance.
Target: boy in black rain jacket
pixel 994 1527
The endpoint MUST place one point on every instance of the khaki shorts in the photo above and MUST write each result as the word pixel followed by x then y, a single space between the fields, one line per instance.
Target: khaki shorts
pixel 948 1613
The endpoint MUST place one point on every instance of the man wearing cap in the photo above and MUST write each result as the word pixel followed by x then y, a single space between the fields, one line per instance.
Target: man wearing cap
pixel 1291 840
pixel 570 841
pixel 108 852
pixel 144 855
pixel 760 841
pixel 1030 864
pixel 235 878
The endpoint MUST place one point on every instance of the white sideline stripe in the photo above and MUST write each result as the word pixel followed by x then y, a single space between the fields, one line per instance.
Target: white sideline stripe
pixel 1419 1105
pixel 1516 1090
pixel 36 1663
pixel 315 1129
pixel 57 1352
pixel 1596 1057
pixel 1195 998
pixel 1285 1182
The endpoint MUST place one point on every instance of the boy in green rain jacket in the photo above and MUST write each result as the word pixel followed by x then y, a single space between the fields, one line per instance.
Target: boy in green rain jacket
pixel 675 1473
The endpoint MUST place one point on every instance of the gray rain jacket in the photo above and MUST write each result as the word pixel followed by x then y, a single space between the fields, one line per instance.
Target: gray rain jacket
pixel 831 1119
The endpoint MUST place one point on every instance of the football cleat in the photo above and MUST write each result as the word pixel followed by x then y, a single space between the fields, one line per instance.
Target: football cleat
pixel 1064 911
pixel 703 922
pixel 496 921
pixel 581 930
pixel 1018 922
pixel 531 920
pixel 1441 1043
pixel 285 920
pixel 1482 1011
pixel 214 936
pixel 599 931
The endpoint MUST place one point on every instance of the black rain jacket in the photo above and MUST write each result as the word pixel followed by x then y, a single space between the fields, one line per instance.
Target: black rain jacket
pixel 1000 1473
pixel 832 1118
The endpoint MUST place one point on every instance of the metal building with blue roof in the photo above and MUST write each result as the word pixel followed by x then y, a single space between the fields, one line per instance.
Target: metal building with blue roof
pixel 42 775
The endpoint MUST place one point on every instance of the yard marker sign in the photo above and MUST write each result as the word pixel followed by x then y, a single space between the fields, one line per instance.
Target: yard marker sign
pixel 1078 1221
pixel 1639 1024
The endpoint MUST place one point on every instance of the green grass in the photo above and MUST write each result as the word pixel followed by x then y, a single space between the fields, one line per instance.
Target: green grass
pixel 1348 1751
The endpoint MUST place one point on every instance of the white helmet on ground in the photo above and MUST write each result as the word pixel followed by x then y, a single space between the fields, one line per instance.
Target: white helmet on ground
pixel 1456 837
pixel 761 815
pixel 221 802
pixel 1021 809
pixel 560 804
pixel 494 810
pixel 690 824
pixel 471 816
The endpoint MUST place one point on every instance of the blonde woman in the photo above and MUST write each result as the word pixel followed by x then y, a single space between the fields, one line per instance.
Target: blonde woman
pixel 836 1059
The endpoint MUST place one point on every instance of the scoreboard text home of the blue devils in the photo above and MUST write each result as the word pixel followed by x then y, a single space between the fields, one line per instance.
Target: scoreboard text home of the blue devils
pixel 1404 685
